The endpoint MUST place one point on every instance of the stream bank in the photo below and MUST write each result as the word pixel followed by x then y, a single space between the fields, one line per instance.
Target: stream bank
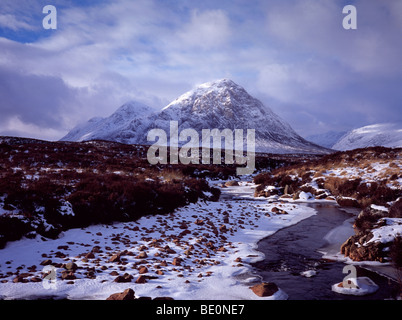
pixel 294 258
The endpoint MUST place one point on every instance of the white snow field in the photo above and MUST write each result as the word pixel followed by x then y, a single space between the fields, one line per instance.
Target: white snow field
pixel 199 252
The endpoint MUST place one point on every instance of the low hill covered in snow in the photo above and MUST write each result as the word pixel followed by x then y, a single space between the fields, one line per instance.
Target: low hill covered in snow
pixel 384 134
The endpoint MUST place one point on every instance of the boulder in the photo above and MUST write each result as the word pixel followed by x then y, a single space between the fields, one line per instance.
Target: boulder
pixel 115 257
pixel 71 266
pixel 143 270
pixel 348 202
pixel 142 255
pixel 265 289
pixel 141 279
pixel 127 294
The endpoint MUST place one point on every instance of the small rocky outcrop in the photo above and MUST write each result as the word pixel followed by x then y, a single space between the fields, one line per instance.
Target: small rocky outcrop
pixel 357 248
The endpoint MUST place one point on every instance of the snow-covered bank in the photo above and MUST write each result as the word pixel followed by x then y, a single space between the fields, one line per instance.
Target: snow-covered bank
pixel 337 236
pixel 195 253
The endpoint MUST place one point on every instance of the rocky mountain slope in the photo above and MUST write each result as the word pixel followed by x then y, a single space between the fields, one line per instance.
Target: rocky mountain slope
pixel 220 104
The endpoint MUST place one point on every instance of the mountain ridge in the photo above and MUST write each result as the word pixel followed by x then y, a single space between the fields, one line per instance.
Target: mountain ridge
pixel 380 134
pixel 220 104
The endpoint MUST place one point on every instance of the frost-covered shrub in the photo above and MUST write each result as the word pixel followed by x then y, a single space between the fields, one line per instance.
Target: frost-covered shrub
pixel 12 228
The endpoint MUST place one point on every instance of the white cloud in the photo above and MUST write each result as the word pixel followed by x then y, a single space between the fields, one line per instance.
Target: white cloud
pixel 207 29
pixel 12 22
pixel 294 52
pixel 316 27
pixel 16 127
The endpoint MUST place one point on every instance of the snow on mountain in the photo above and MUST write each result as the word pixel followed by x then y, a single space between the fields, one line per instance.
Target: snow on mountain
pixel 384 134
pixel 327 139
pixel 220 104
pixel 113 127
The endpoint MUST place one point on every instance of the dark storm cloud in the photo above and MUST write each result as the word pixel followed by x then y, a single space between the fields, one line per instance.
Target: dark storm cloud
pixel 34 99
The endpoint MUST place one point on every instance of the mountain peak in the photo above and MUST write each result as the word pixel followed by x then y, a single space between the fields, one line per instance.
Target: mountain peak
pixel 110 127
pixel 219 104
pixel 220 83
pixel 214 88
pixel 134 108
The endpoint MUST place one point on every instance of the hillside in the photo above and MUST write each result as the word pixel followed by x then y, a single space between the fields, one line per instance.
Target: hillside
pixel 383 134
pixel 368 179
pixel 47 187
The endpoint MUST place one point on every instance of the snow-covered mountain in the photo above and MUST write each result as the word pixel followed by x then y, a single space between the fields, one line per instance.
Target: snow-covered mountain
pixel 112 128
pixel 327 139
pixel 220 104
pixel 384 134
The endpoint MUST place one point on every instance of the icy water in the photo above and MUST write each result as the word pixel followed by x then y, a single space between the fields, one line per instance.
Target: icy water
pixel 296 249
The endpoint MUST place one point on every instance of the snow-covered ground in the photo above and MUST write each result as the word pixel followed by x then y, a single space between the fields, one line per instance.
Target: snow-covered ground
pixel 215 241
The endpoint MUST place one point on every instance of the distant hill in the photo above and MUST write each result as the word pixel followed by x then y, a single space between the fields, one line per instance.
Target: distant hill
pixel 384 134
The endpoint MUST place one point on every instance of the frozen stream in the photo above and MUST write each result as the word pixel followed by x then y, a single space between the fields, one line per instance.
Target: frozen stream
pixel 297 249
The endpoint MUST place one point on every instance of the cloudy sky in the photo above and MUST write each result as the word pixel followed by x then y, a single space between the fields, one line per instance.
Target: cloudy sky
pixel 293 55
